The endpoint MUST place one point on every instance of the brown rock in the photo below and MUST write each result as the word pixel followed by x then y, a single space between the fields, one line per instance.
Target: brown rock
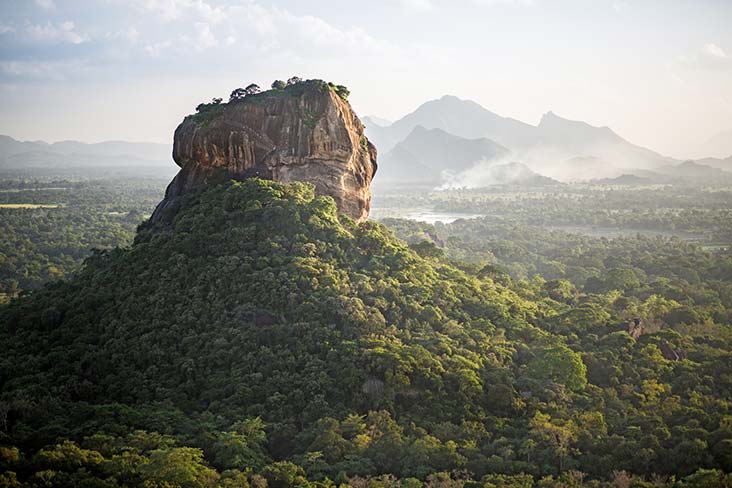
pixel 306 132
pixel 635 328
pixel 668 352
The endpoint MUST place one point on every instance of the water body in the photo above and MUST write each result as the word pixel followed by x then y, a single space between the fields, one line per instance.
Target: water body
pixel 432 217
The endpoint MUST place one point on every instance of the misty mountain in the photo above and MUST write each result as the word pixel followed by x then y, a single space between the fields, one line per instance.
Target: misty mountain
pixel 427 155
pixel 578 138
pixel 693 172
pixel 625 180
pixel 723 164
pixel 10 146
pixel 462 118
pixel 547 147
pixel 16 154
pixel 684 174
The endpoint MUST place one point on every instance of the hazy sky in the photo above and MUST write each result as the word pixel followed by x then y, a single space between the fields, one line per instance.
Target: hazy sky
pixel 659 72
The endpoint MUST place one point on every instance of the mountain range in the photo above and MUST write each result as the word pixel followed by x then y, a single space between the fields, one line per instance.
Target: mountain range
pixel 442 142
pixel 557 147
pixel 146 156
pixel 724 164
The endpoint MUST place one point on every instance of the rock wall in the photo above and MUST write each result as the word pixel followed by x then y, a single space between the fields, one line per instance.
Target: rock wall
pixel 303 133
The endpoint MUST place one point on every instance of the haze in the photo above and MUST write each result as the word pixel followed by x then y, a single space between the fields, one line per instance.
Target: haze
pixel 658 72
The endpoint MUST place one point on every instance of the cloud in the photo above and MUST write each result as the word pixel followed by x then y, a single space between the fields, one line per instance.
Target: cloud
pixel 418 5
pixel 709 57
pixel 39 70
pixel 620 5
pixel 204 37
pixel 157 48
pixel 6 28
pixel 131 35
pixel 312 31
pixel 427 5
pixel 167 9
pixel 178 9
pixel 170 31
pixel 63 32
pixel 505 2
pixel 714 51
pixel 252 26
pixel 46 4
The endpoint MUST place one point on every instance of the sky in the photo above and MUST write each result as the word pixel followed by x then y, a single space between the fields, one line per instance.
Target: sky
pixel 658 72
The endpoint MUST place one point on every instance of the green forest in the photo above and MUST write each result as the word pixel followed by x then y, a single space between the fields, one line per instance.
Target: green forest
pixel 261 340
pixel 48 225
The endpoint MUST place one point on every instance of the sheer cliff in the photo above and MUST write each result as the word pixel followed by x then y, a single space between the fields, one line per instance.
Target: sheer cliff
pixel 303 132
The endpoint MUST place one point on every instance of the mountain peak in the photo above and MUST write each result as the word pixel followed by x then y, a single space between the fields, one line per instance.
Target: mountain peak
pixel 454 101
pixel 552 118
pixel 552 122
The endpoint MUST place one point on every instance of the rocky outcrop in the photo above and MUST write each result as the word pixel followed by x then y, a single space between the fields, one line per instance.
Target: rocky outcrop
pixel 635 328
pixel 305 132
pixel 670 353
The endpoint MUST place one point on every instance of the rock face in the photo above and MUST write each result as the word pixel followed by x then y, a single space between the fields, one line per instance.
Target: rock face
pixel 305 132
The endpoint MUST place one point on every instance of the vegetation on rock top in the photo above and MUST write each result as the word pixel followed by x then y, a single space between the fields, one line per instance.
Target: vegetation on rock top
pixel 294 87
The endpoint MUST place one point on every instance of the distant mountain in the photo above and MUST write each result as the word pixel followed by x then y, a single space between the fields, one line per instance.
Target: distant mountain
pixel 624 180
pixel 693 172
pixel 16 154
pixel 546 148
pixel 578 138
pixel 723 164
pixel 684 174
pixel 427 155
pixel 10 146
pixel 462 118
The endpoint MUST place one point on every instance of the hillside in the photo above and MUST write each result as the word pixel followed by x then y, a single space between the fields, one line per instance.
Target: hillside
pixel 262 337
pixel 258 302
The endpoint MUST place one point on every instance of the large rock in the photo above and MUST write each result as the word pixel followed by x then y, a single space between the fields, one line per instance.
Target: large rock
pixel 306 132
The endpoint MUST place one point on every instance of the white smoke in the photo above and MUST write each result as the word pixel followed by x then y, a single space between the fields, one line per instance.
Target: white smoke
pixel 486 173
pixel 543 161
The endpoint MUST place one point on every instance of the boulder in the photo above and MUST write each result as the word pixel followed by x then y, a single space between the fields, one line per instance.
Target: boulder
pixel 304 132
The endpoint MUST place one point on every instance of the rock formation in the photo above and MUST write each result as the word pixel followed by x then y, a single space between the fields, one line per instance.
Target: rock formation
pixel 670 353
pixel 635 328
pixel 304 132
